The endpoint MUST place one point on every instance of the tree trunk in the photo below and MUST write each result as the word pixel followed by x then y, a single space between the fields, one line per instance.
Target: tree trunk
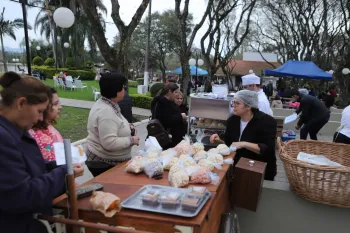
pixel 343 82
pixel 185 73
pixel 3 53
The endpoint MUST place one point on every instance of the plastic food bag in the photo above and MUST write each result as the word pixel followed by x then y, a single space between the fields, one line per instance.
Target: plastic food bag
pixel 228 161
pixel 206 164
pixel 151 144
pixel 213 150
pixel 153 168
pixel 168 162
pixel 201 176
pixel 216 158
pixel 200 155
pixel 197 147
pixel 215 179
pixel 178 176
pixel 170 152
pixel 135 165
pixel 106 203
pixel 187 161
pixel 223 149
pixel 184 147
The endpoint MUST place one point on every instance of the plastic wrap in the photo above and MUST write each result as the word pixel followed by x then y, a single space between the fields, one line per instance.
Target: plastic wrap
pixel 197 147
pixel 201 176
pixel 106 203
pixel 215 179
pixel 185 147
pixel 135 165
pixel 167 164
pixel 214 151
pixel 206 164
pixel 200 155
pixel 223 149
pixel 228 161
pixel 178 176
pixel 153 168
pixel 187 161
pixel 171 152
pixel 216 158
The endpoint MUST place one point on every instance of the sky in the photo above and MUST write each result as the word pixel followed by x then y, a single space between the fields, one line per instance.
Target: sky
pixel 127 10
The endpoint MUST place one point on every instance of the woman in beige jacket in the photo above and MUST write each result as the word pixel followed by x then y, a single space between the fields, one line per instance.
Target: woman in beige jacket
pixel 110 139
pixel 277 103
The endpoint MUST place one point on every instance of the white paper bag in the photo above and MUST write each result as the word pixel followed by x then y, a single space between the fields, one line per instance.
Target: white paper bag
pixel 78 155
pixel 291 118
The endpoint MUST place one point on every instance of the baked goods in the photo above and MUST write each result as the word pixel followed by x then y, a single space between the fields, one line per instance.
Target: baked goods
pixel 215 158
pixel 106 203
pixel 184 147
pixel 135 165
pixel 197 147
pixel 223 149
pixel 200 176
pixel 200 155
pixel 206 164
pixel 153 168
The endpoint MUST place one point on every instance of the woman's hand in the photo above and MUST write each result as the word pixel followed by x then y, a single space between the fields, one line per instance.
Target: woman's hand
pixel 213 138
pixel 238 145
pixel 136 140
pixel 78 170
pixel 184 116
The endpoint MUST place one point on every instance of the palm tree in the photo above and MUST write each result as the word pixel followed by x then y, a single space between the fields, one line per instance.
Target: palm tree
pixel 7 28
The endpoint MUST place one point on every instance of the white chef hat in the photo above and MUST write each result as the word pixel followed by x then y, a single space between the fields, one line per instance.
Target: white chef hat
pixel 250 79
pixel 248 97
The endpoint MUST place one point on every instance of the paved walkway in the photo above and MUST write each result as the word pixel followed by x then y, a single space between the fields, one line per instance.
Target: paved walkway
pixel 88 104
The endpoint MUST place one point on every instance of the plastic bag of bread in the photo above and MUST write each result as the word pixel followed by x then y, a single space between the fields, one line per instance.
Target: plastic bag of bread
pixel 178 176
pixel 184 147
pixel 200 155
pixel 213 150
pixel 153 168
pixel 205 163
pixel 215 158
pixel 106 203
pixel 170 152
pixel 186 160
pixel 197 147
pixel 223 149
pixel 200 176
pixel 168 162
pixel 135 165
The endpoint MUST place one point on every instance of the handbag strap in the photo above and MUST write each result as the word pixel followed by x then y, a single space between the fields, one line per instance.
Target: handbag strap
pixel 155 110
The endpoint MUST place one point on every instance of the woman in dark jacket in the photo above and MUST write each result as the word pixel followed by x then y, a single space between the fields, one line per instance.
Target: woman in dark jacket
pixel 252 132
pixel 163 109
pixel 28 183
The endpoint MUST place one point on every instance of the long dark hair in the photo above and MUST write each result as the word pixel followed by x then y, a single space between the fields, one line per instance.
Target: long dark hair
pixel 169 87
pixel 44 124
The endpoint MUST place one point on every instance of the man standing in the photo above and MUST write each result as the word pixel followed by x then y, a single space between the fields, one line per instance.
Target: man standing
pixel 314 115
pixel 269 89
pixel 251 82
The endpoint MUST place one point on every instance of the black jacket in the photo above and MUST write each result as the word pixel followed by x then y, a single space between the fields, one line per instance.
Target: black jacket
pixel 312 109
pixel 260 130
pixel 126 107
pixel 170 116
pixel 328 100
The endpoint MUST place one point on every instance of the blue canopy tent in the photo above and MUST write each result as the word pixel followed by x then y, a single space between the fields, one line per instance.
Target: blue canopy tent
pixel 300 69
pixel 200 71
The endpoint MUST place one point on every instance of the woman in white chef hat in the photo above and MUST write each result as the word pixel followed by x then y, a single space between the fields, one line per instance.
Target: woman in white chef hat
pixel 251 82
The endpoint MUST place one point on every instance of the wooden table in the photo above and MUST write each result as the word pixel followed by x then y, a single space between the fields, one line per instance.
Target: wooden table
pixel 123 184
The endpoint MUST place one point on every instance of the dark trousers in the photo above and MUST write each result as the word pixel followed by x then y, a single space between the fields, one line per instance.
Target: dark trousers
pixel 341 138
pixel 97 168
pixel 313 127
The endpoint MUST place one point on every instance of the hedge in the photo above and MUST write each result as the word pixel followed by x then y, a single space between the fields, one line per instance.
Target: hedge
pixel 140 81
pixel 50 72
pixel 50 62
pixel 141 101
pixel 132 83
pixel 38 61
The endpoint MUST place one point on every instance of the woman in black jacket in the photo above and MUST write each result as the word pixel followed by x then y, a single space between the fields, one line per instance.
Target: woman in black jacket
pixel 252 132
pixel 164 109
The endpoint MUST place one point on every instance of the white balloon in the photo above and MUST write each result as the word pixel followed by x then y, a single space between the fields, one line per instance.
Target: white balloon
pixel 63 17
pixel 346 71
pixel 38 48
pixel 200 62
pixel 251 71
pixel 331 71
pixel 66 45
pixel 192 62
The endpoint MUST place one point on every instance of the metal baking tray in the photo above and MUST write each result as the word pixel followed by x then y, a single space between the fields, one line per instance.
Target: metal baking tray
pixel 135 201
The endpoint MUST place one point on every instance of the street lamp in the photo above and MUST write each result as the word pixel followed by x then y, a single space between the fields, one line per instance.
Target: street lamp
pixel 63 18
pixel 196 62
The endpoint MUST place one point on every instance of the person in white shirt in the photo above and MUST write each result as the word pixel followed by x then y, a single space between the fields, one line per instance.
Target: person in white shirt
pixel 343 133
pixel 251 82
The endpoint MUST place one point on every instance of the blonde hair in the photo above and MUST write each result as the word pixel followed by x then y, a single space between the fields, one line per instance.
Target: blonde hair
pixel 183 97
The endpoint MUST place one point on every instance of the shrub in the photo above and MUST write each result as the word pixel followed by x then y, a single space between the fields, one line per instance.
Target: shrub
pixel 69 62
pixel 132 83
pixel 141 101
pixel 89 64
pixel 156 88
pixel 50 62
pixel 140 81
pixel 50 72
pixel 38 61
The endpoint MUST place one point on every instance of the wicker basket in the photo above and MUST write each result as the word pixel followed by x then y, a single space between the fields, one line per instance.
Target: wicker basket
pixel 322 184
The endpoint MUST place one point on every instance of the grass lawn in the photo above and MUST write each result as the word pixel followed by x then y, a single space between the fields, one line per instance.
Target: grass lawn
pixel 72 123
pixel 81 95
